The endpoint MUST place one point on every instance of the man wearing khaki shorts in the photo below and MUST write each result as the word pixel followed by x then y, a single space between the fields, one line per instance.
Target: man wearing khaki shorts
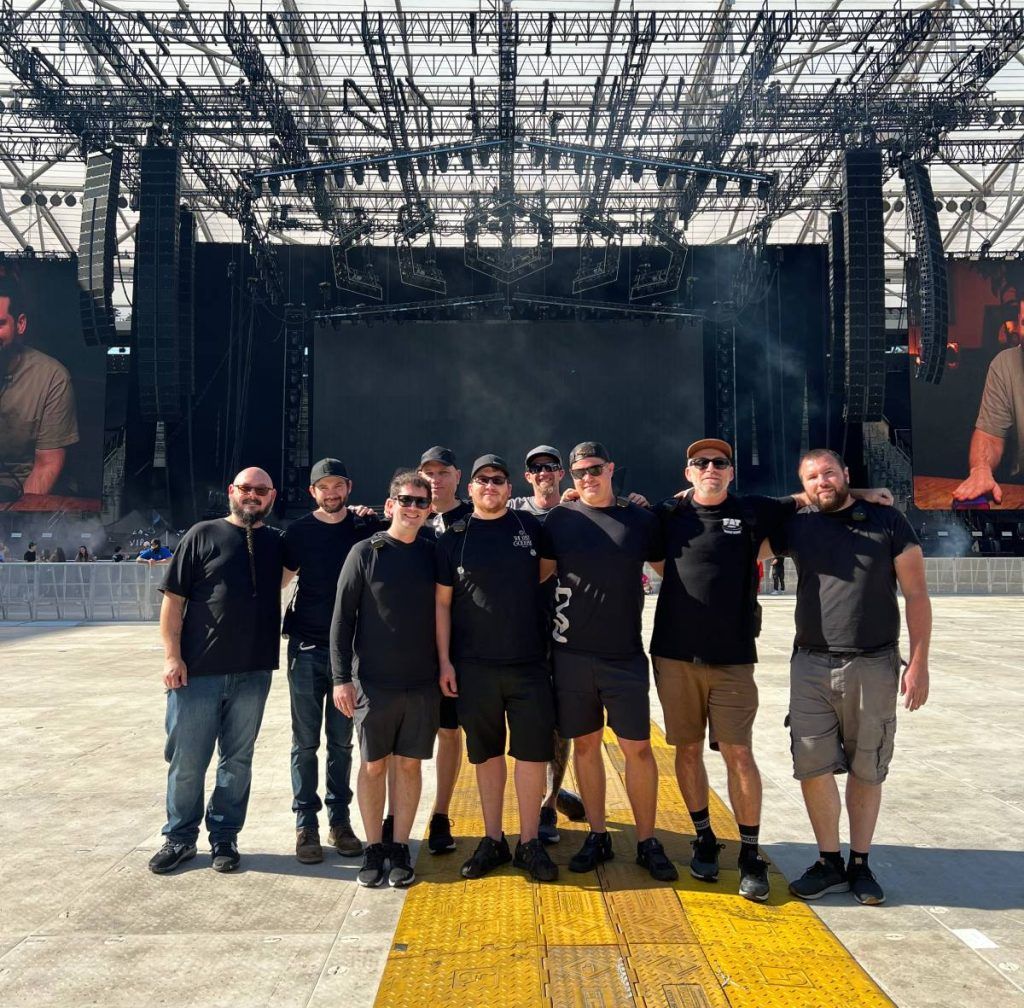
pixel 703 648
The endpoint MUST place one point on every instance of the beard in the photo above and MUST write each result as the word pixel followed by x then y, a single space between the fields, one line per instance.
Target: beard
pixel 248 518
pixel 842 495
pixel 333 507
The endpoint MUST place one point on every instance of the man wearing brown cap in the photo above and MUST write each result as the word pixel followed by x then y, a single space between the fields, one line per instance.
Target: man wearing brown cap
pixel 598 545
pixel 316 546
pixel 705 625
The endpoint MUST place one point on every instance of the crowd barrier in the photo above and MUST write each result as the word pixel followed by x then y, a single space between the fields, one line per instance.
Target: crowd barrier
pixel 129 591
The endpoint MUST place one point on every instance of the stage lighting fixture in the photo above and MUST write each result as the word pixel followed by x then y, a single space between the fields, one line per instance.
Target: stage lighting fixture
pixel 122 202
pixel 55 199
pixel 886 206
pixel 951 205
pixel 763 188
pixel 133 203
pixel 441 160
pixel 257 187
pixel 339 178
pixel 898 206
pixel 466 157
pixel 538 157
pixel 981 206
pixel 991 117
pixel 301 184
pixel 41 199
pixel 358 173
pixel 554 159
pixel 661 175
pixel 274 185
pixel 423 163
pixel 745 187
pixel 579 163
pixel 26 199
pixel 484 154
pixel 965 206
pixel 70 200
pixel 618 167
pixel 720 183
pixel 1009 117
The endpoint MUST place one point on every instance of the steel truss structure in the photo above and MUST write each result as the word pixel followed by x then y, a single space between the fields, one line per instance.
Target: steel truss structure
pixel 507 127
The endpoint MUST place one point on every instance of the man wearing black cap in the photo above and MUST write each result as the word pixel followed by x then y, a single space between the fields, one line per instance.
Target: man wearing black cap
pixel 316 546
pixel 492 655
pixel 544 473
pixel 438 467
pixel 599 545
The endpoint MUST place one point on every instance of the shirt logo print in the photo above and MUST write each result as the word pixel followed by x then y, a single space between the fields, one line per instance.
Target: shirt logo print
pixel 563 596
pixel 522 541
pixel 732 525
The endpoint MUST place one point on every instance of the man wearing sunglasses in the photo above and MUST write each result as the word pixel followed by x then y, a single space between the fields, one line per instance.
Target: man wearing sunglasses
pixel 703 650
pixel 544 473
pixel 316 546
pixel 219 625
pixel 439 468
pixel 598 545
pixel 384 664
pixel 492 653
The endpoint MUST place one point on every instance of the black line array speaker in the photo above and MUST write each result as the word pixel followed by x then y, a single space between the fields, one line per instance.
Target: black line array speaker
pixel 157 313
pixel 296 412
pixel 187 298
pixel 864 250
pixel 97 243
pixel 837 306
pixel 933 278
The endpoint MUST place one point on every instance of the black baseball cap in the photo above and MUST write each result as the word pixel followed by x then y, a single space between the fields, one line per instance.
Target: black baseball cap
pixel 327 467
pixel 544 449
pixel 439 454
pixel 589 449
pixel 494 461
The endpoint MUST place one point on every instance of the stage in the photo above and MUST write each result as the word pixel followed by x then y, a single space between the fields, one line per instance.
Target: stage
pixel 81 709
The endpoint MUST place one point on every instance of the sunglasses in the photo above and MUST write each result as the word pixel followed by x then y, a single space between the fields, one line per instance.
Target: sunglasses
pixel 703 463
pixel 592 470
pixel 496 480
pixel 539 467
pixel 407 500
pixel 260 491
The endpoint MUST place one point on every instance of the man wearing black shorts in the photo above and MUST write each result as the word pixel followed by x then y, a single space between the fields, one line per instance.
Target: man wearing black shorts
pixel 439 468
pixel 316 546
pixel 544 473
pixel 598 546
pixel 492 654
pixel 384 661
pixel 845 670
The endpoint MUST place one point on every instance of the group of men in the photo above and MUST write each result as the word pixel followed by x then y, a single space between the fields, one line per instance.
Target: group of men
pixel 517 622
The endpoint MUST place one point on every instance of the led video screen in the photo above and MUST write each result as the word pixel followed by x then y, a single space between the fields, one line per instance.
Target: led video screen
pixel 383 395
pixel 968 431
pixel 52 392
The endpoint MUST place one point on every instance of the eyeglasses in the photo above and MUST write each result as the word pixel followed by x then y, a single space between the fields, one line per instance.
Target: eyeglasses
pixel 496 480
pixel 703 463
pixel 407 500
pixel 539 467
pixel 593 470
pixel 260 491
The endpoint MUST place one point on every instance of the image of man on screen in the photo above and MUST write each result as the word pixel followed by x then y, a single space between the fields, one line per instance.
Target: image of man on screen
pixel 37 405
pixel 1000 415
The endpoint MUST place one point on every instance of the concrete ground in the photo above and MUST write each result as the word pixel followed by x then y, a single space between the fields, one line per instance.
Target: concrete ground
pixel 83 922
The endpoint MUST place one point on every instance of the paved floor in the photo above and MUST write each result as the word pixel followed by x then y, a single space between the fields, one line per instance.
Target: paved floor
pixel 83 922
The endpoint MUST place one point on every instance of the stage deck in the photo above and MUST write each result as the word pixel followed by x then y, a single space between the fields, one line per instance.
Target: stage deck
pixel 84 922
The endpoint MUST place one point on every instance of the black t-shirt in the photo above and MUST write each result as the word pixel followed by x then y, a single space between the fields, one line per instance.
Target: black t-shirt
pixel 231 624
pixel 497 608
pixel 317 549
pixel 437 524
pixel 846 580
pixel 706 605
pixel 600 553
pixel 382 631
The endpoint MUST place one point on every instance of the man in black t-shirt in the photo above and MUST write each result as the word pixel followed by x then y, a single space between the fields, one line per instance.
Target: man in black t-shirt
pixel 384 663
pixel 316 547
pixel 845 671
pixel 439 468
pixel 598 546
pixel 703 648
pixel 492 654
pixel 218 622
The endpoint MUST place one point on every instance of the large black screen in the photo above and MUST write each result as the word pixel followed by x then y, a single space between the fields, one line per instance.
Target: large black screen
pixel 384 394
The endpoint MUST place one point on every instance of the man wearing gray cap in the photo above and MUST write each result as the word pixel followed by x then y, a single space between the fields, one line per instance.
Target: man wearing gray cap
pixel 316 546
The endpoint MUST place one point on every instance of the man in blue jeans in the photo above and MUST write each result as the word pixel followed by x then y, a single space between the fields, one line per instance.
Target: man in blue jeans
pixel 218 623
pixel 316 546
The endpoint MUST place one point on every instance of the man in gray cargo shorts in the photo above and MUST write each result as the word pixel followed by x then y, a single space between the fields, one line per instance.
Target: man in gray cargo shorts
pixel 845 671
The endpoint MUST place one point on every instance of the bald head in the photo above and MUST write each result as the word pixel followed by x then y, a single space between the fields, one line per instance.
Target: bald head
pixel 251 497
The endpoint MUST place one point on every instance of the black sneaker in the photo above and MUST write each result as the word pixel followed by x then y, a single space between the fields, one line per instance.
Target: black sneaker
pixel 704 862
pixel 372 872
pixel 489 854
pixel 535 859
pixel 596 848
pixel 401 874
pixel 440 840
pixel 570 805
pixel 863 884
pixel 651 855
pixel 821 878
pixel 170 856
pixel 225 856
pixel 754 878
pixel 547 829
pixel 387 830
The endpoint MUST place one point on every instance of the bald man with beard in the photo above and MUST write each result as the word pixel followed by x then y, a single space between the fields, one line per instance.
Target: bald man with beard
pixel 219 625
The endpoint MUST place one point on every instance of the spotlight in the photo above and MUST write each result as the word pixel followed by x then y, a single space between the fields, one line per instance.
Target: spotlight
pixel 26 199
pixel 991 117
pixel 661 174
pixel 41 199
pixel 745 187
pixel 554 159
pixel 122 202
pixel 484 154
pixel 636 171
pixel 55 200
pixel 358 173
pixel 579 163
pixel 886 206
pixel 301 184
pixel 441 160
pixel 981 206
pixel 339 178
pixel 898 206
pixel 274 185
pixel 70 199
pixel 538 157
pixel 1009 117
pixel 384 170
pixel 466 157
pixel 763 188
pixel 720 183
pixel 951 205
pixel 965 206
